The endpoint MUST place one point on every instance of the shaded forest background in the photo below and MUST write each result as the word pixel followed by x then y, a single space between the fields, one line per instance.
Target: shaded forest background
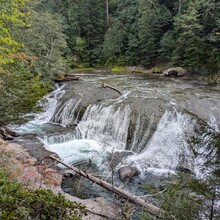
pixel 43 39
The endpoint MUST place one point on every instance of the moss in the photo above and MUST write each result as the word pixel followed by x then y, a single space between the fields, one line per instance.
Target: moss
pixel 156 70
pixel 119 69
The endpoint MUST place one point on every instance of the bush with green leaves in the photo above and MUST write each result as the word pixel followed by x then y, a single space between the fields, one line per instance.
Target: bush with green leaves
pixel 20 203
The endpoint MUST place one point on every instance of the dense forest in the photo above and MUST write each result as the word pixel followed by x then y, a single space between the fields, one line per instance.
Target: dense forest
pixel 43 39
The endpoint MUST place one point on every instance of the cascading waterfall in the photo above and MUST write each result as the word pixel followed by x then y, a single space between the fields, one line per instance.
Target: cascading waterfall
pixel 49 105
pixel 64 114
pixel 128 130
pixel 168 147
pixel 101 130
pixel 107 125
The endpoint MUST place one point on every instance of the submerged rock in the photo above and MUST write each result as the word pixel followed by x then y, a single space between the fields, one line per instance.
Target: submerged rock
pixel 128 172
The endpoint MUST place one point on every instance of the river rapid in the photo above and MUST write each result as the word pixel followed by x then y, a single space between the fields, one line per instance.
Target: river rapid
pixel 152 126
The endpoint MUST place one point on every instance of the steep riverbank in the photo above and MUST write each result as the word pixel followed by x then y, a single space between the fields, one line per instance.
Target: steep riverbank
pixel 40 172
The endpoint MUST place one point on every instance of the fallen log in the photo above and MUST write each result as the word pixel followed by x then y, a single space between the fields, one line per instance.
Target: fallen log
pixel 104 85
pixel 67 77
pixel 135 199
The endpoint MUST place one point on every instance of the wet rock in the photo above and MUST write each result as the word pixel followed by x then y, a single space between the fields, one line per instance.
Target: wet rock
pixel 185 167
pixel 24 169
pixel 117 157
pixel 11 132
pixel 143 121
pixel 184 170
pixel 128 172
pixel 36 149
pixel 175 71
pixel 5 135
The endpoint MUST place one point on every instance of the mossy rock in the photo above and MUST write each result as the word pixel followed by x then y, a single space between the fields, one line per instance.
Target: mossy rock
pixel 156 70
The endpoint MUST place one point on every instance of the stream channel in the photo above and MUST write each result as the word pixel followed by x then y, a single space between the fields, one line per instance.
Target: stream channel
pixel 150 126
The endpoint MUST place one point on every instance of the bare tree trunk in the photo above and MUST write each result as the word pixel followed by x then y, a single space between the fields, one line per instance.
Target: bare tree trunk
pixel 107 13
pixel 135 199
pixel 180 6
pixel 212 205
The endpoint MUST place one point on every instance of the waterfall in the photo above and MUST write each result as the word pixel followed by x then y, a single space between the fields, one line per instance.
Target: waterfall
pixel 59 138
pixel 141 133
pixel 49 104
pixel 168 147
pixel 64 114
pixel 102 129
pixel 107 125
pixel 78 151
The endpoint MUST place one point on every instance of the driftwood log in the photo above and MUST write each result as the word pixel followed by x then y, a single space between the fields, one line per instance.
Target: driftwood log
pixel 104 85
pixel 67 77
pixel 135 199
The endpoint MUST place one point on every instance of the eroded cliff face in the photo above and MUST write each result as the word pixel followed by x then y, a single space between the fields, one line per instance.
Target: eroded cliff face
pixel 35 174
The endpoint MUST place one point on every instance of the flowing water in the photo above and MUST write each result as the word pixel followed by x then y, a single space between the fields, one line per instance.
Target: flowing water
pixel 150 126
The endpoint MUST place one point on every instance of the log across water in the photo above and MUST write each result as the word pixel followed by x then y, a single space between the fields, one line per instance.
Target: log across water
pixel 135 199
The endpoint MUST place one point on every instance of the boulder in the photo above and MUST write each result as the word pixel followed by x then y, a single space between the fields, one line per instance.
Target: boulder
pixel 175 71
pixel 11 132
pixel 117 157
pixel 4 134
pixel 128 172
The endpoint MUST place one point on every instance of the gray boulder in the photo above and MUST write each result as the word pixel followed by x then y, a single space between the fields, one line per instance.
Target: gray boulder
pixel 175 71
pixel 128 172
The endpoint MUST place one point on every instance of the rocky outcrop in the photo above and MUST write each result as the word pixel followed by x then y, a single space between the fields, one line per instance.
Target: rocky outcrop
pixel 7 133
pixel 128 172
pixel 31 174
pixel 175 71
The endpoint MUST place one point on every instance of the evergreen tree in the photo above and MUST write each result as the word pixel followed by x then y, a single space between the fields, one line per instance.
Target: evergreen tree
pixel 87 22
pixel 197 41
pixel 154 21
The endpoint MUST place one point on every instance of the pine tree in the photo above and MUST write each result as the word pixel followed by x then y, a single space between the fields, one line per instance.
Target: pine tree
pixel 197 41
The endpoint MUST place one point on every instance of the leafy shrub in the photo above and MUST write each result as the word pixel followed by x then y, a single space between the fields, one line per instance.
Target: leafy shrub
pixel 20 203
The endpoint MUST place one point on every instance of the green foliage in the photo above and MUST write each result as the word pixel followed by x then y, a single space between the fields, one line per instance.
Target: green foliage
pixel 11 15
pixel 20 92
pixel 186 198
pixel 45 40
pixel 197 39
pixel 86 20
pixel 20 203
pixel 153 22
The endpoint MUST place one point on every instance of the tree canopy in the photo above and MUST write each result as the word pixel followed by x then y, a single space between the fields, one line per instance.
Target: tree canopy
pixel 43 39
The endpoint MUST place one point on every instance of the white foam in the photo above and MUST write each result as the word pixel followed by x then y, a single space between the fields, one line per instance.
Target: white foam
pixel 79 150
pixel 167 147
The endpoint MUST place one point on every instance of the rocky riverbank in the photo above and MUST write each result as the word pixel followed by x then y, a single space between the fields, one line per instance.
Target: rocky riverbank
pixel 40 172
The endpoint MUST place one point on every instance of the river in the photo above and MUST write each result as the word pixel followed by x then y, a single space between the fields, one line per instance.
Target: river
pixel 152 126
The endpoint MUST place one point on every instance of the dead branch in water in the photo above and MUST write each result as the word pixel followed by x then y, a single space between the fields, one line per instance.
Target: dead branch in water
pixel 135 199
pixel 104 85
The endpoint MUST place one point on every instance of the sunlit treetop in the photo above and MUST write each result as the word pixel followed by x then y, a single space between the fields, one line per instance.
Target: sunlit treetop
pixel 11 15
